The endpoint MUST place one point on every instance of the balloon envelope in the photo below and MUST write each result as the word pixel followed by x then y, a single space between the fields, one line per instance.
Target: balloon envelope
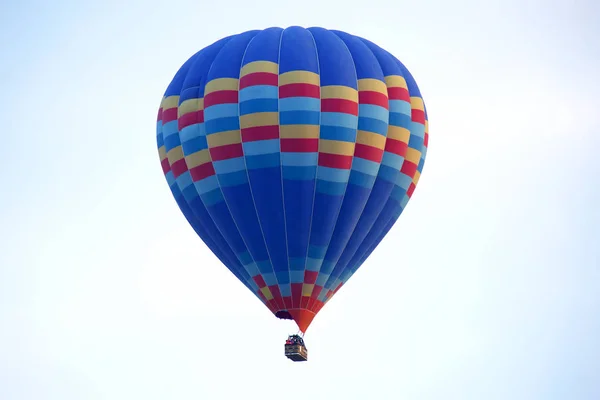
pixel 292 152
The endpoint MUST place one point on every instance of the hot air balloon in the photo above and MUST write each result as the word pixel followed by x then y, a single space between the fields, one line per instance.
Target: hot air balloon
pixel 291 153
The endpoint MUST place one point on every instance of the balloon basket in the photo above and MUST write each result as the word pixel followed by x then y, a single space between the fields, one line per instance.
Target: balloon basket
pixel 296 352
pixel 295 349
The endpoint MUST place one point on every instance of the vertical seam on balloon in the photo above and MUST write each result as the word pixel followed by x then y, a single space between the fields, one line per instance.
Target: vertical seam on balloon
pixel 243 267
pixel 287 247
pixel 332 276
pixel 248 173
pixel 347 266
pixel 179 131
pixel 352 163
pixel 390 223
pixel 371 248
pixel 202 224
pixel 221 189
pixel 205 240
pixel 317 163
pixel 356 257
pixel 196 220
pixel 407 77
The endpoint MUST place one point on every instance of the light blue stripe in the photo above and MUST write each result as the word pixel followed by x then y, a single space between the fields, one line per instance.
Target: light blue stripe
pixel 297 276
pixel 331 188
pixel 211 198
pixel 189 193
pixel 373 111
pixel 417 129
pixel 231 165
pixel 264 267
pixel 337 282
pixel 350 269
pixel 321 280
pixel 299 173
pixel 252 269
pixel 261 147
pixel 253 285
pixel 327 267
pixel 207 184
pixel 403 181
pixel 362 180
pixel 233 178
pixel 269 278
pixel 397 193
pixel 313 264
pixel 170 178
pixel 333 174
pixel 245 258
pixel 286 290
pixel 388 174
pixel 421 165
pixel 339 119
pixel 191 132
pixel 322 294
pixel 170 128
pixel 184 180
pixel 263 161
pixel 258 92
pixel 403 203
pixel 317 252
pixel 299 103
pixel 221 111
pixel 392 160
pixel 299 159
pixel 400 106
pixel 365 166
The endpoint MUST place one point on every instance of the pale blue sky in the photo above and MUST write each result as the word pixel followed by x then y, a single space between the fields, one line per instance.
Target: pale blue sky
pixel 492 276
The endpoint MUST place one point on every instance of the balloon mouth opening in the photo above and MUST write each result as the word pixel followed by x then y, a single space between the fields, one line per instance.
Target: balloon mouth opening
pixel 301 316
pixel 283 315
